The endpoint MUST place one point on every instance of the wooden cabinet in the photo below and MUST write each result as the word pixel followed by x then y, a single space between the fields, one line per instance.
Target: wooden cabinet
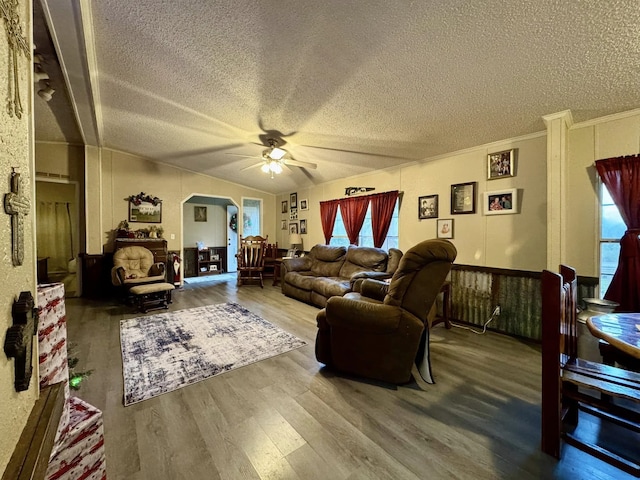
pixel 95 275
pixel 210 261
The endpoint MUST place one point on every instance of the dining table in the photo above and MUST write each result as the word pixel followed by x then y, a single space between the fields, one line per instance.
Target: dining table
pixel 620 330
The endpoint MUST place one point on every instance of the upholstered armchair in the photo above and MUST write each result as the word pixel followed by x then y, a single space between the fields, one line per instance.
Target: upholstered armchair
pixel 135 266
pixel 378 332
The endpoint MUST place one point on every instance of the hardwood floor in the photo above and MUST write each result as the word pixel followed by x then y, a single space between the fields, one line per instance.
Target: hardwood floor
pixel 288 418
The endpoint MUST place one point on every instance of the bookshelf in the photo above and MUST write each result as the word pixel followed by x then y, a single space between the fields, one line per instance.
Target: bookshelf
pixel 195 259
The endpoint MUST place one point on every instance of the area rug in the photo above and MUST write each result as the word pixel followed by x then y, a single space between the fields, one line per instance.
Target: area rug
pixel 164 352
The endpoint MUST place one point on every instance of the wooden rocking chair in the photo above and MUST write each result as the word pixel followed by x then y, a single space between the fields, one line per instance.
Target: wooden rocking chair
pixel 251 257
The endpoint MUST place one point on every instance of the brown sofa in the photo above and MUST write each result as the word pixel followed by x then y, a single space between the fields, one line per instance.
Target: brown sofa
pixel 328 271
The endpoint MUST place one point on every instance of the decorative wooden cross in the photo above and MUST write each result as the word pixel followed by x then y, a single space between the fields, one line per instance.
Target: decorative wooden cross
pixel 17 206
pixel 17 43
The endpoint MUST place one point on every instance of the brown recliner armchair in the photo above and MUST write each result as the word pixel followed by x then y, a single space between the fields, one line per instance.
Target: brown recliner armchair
pixel 378 333
pixel 135 266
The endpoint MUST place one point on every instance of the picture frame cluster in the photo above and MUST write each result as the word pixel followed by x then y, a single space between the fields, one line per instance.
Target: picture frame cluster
pixel 463 196
pixel 291 208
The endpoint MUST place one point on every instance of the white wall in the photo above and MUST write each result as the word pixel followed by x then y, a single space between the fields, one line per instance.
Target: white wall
pixel 598 139
pixel 213 232
pixel 122 175
pixel 504 241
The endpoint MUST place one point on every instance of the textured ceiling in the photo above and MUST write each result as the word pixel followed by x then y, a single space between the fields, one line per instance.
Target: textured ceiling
pixel 352 86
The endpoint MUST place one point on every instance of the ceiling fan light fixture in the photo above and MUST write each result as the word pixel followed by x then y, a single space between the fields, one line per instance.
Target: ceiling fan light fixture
pixel 276 167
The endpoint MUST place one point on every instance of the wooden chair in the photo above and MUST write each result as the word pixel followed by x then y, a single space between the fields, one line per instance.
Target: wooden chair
pixel 251 258
pixel 571 385
pixel 270 255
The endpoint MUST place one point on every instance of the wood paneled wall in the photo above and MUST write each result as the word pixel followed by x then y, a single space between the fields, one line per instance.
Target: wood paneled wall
pixel 476 291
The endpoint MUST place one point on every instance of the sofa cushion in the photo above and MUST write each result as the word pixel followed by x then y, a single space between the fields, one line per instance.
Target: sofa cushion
pixel 395 256
pixel 363 259
pixel 327 260
pixel 302 280
pixel 331 286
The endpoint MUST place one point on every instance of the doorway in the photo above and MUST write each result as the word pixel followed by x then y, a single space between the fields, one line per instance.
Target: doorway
pixel 57 233
pixel 206 221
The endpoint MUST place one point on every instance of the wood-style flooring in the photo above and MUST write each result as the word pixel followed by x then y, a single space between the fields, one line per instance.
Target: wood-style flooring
pixel 289 418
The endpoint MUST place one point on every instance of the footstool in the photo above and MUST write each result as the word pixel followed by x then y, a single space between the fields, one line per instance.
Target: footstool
pixel 152 296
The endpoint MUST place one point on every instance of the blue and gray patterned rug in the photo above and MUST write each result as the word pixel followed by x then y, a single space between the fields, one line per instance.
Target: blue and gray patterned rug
pixel 168 351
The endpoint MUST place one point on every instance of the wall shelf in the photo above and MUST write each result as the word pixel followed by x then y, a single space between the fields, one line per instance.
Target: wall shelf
pixel 209 261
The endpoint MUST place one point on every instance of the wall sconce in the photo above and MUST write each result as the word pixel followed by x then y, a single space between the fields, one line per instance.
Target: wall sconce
pixel 46 93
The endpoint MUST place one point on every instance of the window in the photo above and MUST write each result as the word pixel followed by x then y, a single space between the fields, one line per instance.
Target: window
pixel 366 234
pixel 251 214
pixel 612 228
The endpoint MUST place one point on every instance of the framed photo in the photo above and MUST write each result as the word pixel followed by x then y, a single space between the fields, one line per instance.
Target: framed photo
pixel 293 200
pixel 283 225
pixel 463 198
pixel 199 214
pixel 501 164
pixel 293 228
pixel 304 204
pixel 303 227
pixel 145 212
pixel 445 228
pixel 293 214
pixel 428 207
pixel 285 207
pixel 501 202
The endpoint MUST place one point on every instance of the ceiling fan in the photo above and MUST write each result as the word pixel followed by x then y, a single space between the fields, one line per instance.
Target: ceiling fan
pixel 275 158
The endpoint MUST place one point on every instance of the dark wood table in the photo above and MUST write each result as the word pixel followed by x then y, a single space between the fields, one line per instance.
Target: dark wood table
pixel 277 264
pixel 620 330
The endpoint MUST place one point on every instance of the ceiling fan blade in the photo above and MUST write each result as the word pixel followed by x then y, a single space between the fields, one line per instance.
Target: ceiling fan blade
pixel 241 155
pixel 359 153
pixel 298 163
pixel 259 164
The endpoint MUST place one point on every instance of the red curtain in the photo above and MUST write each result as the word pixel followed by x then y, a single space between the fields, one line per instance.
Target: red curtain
pixel 328 211
pixel 382 205
pixel 353 211
pixel 621 176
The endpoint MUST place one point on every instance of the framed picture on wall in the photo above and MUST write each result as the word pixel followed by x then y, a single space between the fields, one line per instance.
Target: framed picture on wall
pixel 199 214
pixel 285 207
pixel 293 201
pixel 303 227
pixel 427 207
pixel 500 202
pixel 463 198
pixel 283 225
pixel 445 228
pixel 501 164
pixel 304 204
pixel 293 227
pixel 145 212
